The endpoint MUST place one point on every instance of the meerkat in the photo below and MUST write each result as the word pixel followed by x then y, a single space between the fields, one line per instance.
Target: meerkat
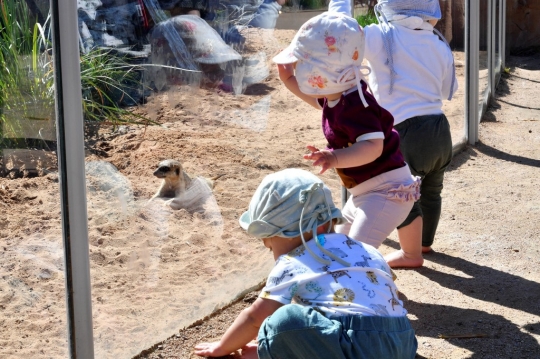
pixel 175 180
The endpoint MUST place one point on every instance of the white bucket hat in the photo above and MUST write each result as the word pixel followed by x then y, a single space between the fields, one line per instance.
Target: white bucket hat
pixel 328 49
pixel 425 9
pixel 287 204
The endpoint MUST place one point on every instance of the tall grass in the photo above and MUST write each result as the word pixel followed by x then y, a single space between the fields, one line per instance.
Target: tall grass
pixel 107 80
pixel 27 76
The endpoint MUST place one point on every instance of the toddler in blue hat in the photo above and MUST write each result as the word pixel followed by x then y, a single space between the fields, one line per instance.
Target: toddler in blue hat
pixel 328 296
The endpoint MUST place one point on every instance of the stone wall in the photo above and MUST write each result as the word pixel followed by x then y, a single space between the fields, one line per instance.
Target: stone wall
pixel 452 24
pixel 522 25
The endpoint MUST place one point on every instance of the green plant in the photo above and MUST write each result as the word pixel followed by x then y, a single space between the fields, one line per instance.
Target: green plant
pixel 25 65
pixel 106 80
pixel 365 20
pixel 27 77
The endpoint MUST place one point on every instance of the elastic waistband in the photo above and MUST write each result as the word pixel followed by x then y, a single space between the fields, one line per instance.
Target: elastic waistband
pixel 398 176
pixel 375 323
pixel 416 119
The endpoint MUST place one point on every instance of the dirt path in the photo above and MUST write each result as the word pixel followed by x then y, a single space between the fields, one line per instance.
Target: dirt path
pixel 478 294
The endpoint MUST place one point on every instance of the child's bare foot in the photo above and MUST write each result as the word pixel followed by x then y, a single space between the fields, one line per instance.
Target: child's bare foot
pixel 426 249
pixel 400 259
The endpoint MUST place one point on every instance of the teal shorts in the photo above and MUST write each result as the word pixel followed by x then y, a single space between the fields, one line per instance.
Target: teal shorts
pixel 299 332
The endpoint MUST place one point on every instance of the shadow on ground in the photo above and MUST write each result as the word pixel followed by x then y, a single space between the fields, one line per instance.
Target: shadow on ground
pixel 496 334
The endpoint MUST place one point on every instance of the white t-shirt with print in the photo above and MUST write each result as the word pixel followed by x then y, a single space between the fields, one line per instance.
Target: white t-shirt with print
pixel 366 287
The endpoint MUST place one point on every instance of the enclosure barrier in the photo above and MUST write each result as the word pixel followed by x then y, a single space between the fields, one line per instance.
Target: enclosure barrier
pixel 131 270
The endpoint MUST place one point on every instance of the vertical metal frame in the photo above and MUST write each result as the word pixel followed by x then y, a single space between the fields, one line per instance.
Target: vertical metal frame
pixel 491 55
pixel 486 93
pixel 71 165
pixel 472 40
pixel 496 43
pixel 503 33
pixel 498 62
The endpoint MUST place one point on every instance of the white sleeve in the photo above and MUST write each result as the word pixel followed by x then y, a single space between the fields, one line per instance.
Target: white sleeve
pixel 341 6
pixel 374 41
pixel 371 136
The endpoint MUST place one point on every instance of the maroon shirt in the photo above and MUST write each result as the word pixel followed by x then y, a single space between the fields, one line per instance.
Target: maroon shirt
pixel 348 120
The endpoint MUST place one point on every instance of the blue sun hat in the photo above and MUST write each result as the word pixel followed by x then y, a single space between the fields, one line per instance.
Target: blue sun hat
pixel 410 13
pixel 287 204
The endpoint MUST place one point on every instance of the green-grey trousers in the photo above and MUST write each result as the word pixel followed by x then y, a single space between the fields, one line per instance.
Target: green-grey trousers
pixel 426 144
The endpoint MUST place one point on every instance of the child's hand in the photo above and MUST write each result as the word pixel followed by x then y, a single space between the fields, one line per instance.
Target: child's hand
pixel 250 351
pixel 210 350
pixel 324 158
pixel 285 71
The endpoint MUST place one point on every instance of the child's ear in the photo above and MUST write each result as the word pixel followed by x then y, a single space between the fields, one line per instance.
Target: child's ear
pixel 323 228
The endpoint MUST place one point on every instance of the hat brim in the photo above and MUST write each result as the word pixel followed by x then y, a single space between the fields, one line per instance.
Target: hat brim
pixel 244 220
pixel 257 228
pixel 286 56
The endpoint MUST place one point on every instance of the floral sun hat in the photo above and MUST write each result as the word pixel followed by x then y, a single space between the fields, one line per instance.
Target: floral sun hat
pixel 328 51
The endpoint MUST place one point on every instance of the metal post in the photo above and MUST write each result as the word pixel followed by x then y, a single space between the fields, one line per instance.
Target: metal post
pixel 497 60
pixel 503 32
pixel 70 135
pixel 491 52
pixel 472 40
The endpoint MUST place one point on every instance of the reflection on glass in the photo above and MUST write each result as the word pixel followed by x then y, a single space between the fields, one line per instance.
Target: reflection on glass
pixel 452 26
pixel 32 299
pixel 206 118
pixel 202 95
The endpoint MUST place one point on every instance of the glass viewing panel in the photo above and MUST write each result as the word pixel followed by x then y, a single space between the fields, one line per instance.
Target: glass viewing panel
pixel 484 56
pixel 192 83
pixel 452 26
pixel 32 288
pixel 183 95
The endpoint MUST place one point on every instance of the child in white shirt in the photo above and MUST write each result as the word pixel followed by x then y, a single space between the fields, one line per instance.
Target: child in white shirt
pixel 412 73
